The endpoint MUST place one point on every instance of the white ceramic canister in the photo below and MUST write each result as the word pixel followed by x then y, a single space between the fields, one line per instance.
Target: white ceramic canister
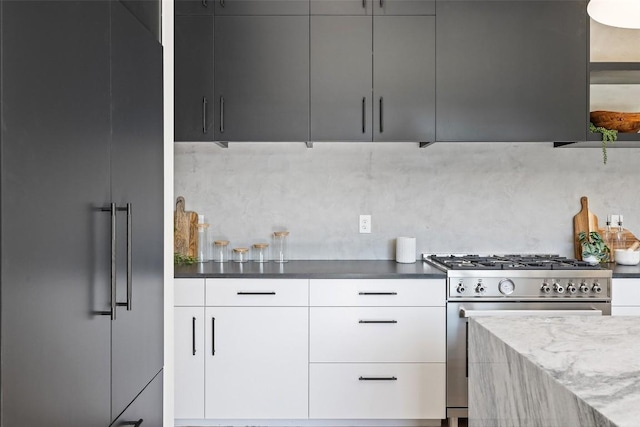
pixel 406 250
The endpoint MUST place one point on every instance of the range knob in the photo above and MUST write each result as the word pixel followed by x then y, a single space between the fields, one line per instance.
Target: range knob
pixel 571 288
pixel 557 287
pixel 584 288
pixel 480 288
pixel 545 288
pixel 460 289
pixel 596 288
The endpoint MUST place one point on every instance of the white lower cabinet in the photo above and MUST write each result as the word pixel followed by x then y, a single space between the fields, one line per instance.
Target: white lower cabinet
pixel 257 364
pixel 189 358
pixel 625 297
pixel 377 391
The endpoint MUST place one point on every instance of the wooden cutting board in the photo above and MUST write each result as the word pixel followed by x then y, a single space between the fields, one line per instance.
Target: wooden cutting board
pixel 185 230
pixel 583 221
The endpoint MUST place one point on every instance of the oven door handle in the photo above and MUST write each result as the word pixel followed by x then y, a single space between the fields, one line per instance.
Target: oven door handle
pixel 543 313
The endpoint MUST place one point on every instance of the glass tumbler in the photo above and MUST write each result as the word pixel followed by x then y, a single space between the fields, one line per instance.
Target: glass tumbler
pixel 260 252
pixel 221 251
pixel 281 246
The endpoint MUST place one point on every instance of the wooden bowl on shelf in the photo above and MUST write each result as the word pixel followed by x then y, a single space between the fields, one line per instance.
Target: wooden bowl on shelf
pixel 622 122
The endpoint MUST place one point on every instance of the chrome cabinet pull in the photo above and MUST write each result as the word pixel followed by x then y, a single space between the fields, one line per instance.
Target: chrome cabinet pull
pixel 204 113
pixel 378 379
pixel 256 293
pixel 377 293
pixel 381 105
pixel 377 321
pixel 222 114
pixel 364 114
pixel 193 335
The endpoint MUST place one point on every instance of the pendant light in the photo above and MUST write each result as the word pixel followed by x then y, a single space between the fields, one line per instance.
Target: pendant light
pixel 616 13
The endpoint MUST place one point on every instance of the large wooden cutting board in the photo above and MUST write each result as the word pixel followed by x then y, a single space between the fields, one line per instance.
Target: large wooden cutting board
pixel 185 234
pixel 583 221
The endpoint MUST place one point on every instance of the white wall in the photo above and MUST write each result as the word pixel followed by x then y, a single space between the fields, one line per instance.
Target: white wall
pixel 454 197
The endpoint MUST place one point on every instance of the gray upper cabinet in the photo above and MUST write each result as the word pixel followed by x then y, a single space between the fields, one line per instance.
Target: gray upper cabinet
pixel 511 70
pixel 194 7
pixel 341 78
pixel 194 103
pixel 262 78
pixel 404 78
pixel 341 7
pixel 261 7
pixel 404 7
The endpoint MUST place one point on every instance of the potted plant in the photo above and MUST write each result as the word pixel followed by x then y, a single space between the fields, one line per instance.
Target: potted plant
pixel 594 250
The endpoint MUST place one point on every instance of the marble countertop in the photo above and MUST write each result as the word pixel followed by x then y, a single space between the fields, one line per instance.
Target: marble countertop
pixel 311 269
pixel 597 358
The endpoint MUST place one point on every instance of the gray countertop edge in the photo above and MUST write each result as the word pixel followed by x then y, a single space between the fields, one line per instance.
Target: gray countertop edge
pixel 357 269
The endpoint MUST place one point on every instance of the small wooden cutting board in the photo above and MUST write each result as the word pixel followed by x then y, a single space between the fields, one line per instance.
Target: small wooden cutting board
pixel 583 221
pixel 185 230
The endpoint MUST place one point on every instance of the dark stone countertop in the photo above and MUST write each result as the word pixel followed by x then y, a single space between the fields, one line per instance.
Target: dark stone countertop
pixel 625 271
pixel 311 270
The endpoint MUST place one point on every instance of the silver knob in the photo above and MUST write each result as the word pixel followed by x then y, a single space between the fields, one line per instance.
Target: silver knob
pixel 460 289
pixel 557 287
pixel 545 288
pixel 584 288
pixel 479 288
pixel 571 288
pixel 596 288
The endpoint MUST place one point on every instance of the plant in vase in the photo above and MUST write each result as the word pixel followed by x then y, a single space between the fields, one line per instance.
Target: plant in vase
pixel 594 249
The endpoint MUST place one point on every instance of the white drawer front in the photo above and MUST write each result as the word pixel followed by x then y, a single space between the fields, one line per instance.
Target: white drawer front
pixel 257 292
pixel 188 292
pixel 377 334
pixel 368 391
pixel 625 292
pixel 378 292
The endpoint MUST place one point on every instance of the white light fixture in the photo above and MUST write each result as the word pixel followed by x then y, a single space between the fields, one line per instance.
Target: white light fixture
pixel 616 13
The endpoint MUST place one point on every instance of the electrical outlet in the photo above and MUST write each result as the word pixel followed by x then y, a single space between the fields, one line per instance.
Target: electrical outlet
pixel 365 223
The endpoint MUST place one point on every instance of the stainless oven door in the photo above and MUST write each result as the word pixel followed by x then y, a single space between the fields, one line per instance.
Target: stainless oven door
pixel 457 316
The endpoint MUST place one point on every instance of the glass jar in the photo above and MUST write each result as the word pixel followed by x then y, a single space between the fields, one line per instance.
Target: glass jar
pixel 281 246
pixel 203 240
pixel 221 251
pixel 240 254
pixel 260 252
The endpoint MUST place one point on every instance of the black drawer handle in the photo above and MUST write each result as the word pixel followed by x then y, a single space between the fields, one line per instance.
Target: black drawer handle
pixel 256 293
pixel 378 379
pixel 133 423
pixel 193 335
pixel 377 321
pixel 377 293
pixel 213 336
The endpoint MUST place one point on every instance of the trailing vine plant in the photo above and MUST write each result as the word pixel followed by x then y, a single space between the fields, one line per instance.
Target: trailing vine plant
pixel 608 136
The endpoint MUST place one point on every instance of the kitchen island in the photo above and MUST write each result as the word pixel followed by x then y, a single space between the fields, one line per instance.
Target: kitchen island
pixel 554 372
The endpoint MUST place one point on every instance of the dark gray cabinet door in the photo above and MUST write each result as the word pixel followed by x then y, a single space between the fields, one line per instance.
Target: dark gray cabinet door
pixel 341 78
pixel 404 7
pixel 341 7
pixel 404 78
pixel 262 78
pixel 193 91
pixel 511 70
pixel 261 7
pixel 146 410
pixel 55 238
pixel 136 179
pixel 149 13
pixel 194 7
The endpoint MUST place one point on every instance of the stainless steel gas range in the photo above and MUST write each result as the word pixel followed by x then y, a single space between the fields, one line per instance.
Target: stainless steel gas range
pixel 511 285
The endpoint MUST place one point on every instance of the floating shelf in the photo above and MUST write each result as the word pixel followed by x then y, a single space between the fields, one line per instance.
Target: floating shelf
pixel 615 73
pixel 594 140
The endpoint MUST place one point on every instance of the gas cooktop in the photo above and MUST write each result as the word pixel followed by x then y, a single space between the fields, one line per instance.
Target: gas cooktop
pixel 508 262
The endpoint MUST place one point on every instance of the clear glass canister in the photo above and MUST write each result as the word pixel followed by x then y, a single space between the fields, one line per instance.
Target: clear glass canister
pixel 221 250
pixel 280 246
pixel 203 240
pixel 240 254
pixel 260 252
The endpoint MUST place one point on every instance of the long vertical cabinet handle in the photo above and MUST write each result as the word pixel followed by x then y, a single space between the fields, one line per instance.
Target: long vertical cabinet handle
pixel 193 335
pixel 204 114
pixel 381 3
pixel 381 106
pixel 128 302
pixel 112 212
pixel 222 114
pixel 213 336
pixel 364 4
pixel 364 114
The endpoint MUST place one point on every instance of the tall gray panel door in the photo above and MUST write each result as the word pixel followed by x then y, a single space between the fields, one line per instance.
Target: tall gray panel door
pixel 341 78
pixel 194 102
pixel 136 181
pixel 512 70
pixel 55 237
pixel 404 78
pixel 261 78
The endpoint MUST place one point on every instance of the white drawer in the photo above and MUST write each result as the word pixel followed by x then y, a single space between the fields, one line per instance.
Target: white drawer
pixel 188 292
pixel 257 292
pixel 377 334
pixel 369 391
pixel 378 292
pixel 625 292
